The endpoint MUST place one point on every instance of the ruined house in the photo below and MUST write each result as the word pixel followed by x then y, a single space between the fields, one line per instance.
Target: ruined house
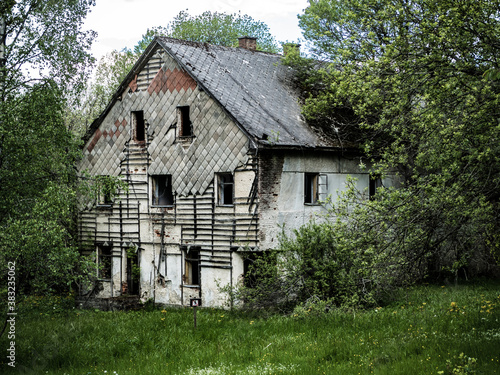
pixel 217 157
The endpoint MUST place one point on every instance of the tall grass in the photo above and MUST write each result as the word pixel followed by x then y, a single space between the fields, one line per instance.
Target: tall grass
pixel 429 330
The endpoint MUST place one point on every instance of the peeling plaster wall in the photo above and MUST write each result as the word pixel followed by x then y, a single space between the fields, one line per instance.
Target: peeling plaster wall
pixel 281 190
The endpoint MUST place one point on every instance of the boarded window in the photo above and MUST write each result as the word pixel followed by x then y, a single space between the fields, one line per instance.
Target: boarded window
pixel 225 183
pixel 192 266
pixel 162 190
pixel 104 261
pixel 184 122
pixel 139 126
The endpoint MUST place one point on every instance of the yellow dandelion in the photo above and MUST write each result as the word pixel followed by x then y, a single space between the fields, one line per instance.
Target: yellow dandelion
pixel 453 304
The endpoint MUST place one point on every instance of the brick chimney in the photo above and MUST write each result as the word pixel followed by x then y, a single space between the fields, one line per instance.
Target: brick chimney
pixel 248 43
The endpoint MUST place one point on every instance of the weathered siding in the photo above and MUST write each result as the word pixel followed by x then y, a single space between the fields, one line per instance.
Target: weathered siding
pixel 195 221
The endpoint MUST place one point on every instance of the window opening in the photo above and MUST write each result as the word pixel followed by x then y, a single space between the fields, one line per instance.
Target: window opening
pixel 192 266
pixel 311 195
pixel 225 189
pixel 104 196
pixel 104 261
pixel 162 191
pixel 375 183
pixel 184 123
pixel 139 126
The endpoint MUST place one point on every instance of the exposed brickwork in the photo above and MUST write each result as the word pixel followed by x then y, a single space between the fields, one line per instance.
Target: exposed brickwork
pixel 248 43
pixel 133 84
pixel 171 81
pixel 270 170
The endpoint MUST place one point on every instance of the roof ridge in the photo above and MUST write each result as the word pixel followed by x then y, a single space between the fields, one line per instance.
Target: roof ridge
pixel 207 45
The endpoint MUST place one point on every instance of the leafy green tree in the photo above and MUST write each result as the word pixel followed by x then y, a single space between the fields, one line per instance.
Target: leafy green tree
pixel 46 58
pixel 413 83
pixel 45 39
pixel 215 28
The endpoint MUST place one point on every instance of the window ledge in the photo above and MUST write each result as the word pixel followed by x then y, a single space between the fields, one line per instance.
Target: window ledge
pixel 185 138
pixel 104 206
pixel 190 286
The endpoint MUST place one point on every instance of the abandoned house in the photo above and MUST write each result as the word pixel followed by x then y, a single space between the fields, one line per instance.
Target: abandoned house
pixel 217 158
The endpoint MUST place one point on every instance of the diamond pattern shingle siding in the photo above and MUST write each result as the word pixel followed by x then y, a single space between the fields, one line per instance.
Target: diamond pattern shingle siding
pixel 236 97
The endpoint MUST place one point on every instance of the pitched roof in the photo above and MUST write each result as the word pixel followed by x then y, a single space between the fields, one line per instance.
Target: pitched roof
pixel 253 87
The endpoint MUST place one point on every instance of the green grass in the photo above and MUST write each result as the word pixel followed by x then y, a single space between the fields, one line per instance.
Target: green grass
pixel 424 333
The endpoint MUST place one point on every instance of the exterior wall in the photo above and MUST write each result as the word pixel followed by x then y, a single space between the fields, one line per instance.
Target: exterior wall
pixel 281 190
pixel 268 191
pixel 164 235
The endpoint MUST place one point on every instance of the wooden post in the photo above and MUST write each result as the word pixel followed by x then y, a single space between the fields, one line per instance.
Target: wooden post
pixel 194 303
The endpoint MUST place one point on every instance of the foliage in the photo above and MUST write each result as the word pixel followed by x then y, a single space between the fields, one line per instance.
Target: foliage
pixel 45 40
pixel 110 71
pixel 135 269
pixel 215 28
pixel 460 365
pixel 46 58
pixel 416 331
pixel 101 189
pixel 322 264
pixel 37 192
pixel 414 85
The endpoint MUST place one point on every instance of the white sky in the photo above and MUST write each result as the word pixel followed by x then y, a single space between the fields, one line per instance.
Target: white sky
pixel 121 23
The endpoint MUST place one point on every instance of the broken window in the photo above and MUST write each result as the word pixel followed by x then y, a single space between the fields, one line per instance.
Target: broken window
pixel 138 125
pixel 225 185
pixel 183 122
pixel 311 188
pixel 162 190
pixel 192 266
pixel 104 261
pixel 315 188
pixel 104 192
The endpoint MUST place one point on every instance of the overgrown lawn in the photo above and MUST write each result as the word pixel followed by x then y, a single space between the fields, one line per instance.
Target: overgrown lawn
pixel 430 329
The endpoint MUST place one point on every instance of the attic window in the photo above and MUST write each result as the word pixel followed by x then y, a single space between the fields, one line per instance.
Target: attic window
pixel 138 125
pixel 162 190
pixel 183 122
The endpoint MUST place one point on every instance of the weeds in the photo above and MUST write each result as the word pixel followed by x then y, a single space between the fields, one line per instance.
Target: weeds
pixel 428 329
